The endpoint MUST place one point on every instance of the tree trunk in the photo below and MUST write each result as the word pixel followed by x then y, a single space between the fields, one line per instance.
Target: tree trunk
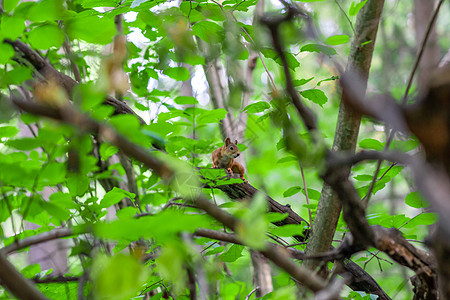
pixel 346 135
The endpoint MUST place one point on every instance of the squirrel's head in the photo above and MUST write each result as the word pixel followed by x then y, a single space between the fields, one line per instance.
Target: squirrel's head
pixel 231 149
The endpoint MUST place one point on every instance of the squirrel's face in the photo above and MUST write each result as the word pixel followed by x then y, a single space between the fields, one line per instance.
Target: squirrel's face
pixel 232 150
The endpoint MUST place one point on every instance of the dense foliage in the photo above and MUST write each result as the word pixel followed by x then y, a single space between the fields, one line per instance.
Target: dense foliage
pixel 193 72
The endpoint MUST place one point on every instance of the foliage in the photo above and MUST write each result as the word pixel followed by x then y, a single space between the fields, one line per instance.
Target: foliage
pixel 138 236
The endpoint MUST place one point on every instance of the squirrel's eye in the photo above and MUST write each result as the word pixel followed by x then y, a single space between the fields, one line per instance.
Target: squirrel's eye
pixel 231 148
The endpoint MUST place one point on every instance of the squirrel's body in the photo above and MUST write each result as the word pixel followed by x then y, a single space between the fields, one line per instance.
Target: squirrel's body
pixel 224 156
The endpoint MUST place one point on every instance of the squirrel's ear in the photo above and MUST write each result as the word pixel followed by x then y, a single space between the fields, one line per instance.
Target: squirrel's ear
pixel 227 141
pixel 235 142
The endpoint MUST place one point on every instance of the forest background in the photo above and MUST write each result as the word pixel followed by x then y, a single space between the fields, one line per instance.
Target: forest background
pixel 110 111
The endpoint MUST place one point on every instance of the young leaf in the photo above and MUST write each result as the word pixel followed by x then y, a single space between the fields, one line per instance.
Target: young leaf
pixel 46 36
pixel 319 49
pixel 12 27
pixel 232 254
pixel 8 131
pixel 91 29
pixel 257 107
pixel 182 100
pixel 299 82
pixel 337 39
pixel 371 144
pixel 355 8
pixel 177 73
pixel 114 196
pixel 211 116
pixel 6 53
pixel 316 96
pixel 208 31
pixel 288 230
pixel 291 191
pixel 415 200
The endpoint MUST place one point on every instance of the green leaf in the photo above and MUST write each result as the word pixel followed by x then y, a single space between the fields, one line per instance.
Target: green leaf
pixel 319 49
pixel 64 200
pixel 117 277
pixel 292 191
pixel 53 173
pixel 107 150
pixel 177 73
pixel 300 82
pixel 208 31
pixel 114 196
pixel 363 177
pixel 215 250
pixel 415 200
pixel 293 63
pixel 272 217
pixel 422 219
pixel 316 96
pixel 78 184
pixel 56 211
pixel 211 116
pixel 91 29
pixel 17 75
pixel 46 36
pixel 309 0
pixel 24 144
pixel 232 254
pixel 12 27
pixel 291 60
pixel 371 144
pixel 257 107
pixel 8 131
pixel 183 100
pixel 328 79
pixel 355 8
pixel 100 3
pixel 337 39
pixel 46 10
pixel 288 230
pixel 9 5
pixel 6 53
pixel 312 194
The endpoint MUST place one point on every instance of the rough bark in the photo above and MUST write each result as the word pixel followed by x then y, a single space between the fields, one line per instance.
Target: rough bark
pixel 348 123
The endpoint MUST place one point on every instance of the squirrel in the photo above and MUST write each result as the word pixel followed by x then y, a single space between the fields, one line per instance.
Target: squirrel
pixel 224 156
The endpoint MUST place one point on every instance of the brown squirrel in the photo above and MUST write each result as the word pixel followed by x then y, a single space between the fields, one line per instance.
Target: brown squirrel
pixel 224 156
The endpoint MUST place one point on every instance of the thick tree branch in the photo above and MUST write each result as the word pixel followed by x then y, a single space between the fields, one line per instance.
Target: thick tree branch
pixel 11 279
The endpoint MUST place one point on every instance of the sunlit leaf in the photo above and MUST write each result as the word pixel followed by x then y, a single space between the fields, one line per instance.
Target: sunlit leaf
pixel 371 144
pixel 415 200
pixel 177 73
pixel 257 107
pixel 319 49
pixel 356 7
pixel 337 39
pixel 46 36
pixel 12 27
pixel 292 191
pixel 315 95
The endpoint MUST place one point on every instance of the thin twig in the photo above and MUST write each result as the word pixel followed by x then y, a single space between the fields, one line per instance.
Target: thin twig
pixel 306 196
pixel 346 16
